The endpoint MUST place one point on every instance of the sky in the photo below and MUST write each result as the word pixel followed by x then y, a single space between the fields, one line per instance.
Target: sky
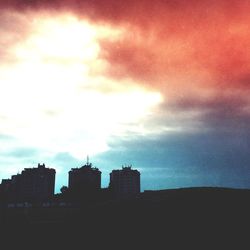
pixel 160 85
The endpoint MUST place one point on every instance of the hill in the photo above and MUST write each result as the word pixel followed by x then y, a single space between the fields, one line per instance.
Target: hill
pixel 192 216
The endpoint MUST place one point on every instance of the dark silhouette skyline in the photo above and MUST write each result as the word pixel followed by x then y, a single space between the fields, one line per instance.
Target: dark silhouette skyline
pixel 163 85
pixel 36 185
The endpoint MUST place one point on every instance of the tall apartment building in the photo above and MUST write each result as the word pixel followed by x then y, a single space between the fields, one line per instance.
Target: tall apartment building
pixel 85 178
pixel 125 182
pixel 33 184
pixel 37 183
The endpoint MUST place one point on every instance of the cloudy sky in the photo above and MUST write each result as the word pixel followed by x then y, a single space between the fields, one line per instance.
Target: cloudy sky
pixel 163 85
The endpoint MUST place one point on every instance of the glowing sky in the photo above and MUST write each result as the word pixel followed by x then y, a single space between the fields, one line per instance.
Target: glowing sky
pixel 162 85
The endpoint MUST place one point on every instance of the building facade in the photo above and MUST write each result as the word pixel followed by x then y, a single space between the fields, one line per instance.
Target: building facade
pixel 33 184
pixel 37 183
pixel 85 178
pixel 125 182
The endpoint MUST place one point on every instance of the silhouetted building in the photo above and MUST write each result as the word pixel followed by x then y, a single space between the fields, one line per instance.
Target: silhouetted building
pixel 37 183
pixel 86 178
pixel 5 189
pixel 33 184
pixel 125 182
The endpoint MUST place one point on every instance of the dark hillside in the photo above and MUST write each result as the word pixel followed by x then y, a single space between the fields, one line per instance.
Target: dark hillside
pixel 194 216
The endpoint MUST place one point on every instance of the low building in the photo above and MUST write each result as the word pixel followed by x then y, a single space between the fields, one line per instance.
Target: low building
pixel 5 190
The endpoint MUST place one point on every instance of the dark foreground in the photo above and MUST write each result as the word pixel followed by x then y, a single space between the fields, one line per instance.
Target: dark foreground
pixel 203 218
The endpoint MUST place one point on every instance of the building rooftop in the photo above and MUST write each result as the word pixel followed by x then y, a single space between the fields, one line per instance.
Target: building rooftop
pixel 39 166
pixel 126 169
pixel 86 167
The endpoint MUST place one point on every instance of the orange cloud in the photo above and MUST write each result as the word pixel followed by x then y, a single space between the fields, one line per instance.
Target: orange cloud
pixel 187 49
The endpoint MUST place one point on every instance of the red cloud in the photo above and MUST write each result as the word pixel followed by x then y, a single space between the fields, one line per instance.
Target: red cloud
pixel 167 38
pixel 185 39
pixel 179 46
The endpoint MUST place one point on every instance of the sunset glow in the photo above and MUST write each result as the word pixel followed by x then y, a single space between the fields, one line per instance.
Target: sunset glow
pixel 162 85
pixel 55 98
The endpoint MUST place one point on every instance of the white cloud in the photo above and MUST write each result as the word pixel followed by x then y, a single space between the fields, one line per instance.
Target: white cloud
pixel 52 94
